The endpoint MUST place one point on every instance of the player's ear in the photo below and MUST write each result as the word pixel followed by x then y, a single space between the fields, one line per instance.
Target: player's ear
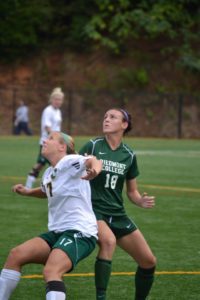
pixel 63 147
pixel 124 125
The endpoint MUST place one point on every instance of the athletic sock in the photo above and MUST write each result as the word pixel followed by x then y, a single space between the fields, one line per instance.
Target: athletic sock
pixel 8 282
pixel 102 276
pixel 30 181
pixel 143 281
pixel 55 290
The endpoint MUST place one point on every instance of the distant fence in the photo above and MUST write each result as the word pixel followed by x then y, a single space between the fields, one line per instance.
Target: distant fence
pixel 154 114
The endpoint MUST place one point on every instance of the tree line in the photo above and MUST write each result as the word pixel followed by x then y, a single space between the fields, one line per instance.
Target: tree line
pixel 39 26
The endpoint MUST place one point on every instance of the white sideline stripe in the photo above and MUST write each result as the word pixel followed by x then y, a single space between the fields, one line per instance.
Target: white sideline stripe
pixel 118 274
pixel 175 153
pixel 171 188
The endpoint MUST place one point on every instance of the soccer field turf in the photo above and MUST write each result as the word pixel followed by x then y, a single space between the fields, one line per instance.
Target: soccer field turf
pixel 169 170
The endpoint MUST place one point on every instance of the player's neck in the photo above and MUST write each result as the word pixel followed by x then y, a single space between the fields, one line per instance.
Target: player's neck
pixel 114 140
pixel 56 158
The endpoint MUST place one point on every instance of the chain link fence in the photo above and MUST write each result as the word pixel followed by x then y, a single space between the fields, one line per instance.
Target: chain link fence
pixel 153 114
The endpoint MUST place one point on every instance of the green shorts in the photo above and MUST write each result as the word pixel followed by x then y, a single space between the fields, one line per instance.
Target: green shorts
pixel 72 242
pixel 41 159
pixel 120 225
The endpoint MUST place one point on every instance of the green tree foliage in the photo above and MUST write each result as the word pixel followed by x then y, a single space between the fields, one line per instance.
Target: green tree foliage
pixel 34 25
pixel 68 22
pixel 22 26
pixel 117 22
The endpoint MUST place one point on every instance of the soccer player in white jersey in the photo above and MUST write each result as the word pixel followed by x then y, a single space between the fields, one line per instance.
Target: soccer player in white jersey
pixel 72 226
pixel 51 120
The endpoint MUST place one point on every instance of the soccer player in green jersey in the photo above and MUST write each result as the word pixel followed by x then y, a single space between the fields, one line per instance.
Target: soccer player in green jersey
pixel 114 226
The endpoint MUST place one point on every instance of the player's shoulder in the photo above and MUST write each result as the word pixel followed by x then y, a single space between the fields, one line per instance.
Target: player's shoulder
pixel 70 160
pixel 73 162
pixel 46 110
pixel 91 145
pixel 97 140
pixel 128 149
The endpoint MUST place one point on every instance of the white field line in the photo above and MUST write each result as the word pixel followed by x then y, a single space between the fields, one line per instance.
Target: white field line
pixel 171 188
pixel 174 153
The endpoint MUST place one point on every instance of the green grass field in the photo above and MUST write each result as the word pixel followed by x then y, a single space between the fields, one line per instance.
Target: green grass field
pixel 169 169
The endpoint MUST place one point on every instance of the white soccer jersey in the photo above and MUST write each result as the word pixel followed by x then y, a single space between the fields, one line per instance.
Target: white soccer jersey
pixel 69 197
pixel 51 117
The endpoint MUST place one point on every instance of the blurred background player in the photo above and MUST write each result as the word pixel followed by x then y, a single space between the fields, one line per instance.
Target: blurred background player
pixel 22 119
pixel 72 226
pixel 51 120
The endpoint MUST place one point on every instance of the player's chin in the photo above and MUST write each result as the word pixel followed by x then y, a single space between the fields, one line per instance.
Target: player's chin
pixel 106 130
pixel 43 151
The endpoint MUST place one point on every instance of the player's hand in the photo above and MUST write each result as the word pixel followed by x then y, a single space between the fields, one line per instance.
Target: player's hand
pixel 147 201
pixel 20 189
pixel 90 174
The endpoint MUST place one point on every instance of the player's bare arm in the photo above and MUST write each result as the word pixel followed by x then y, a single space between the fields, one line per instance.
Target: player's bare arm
pixel 144 200
pixel 22 190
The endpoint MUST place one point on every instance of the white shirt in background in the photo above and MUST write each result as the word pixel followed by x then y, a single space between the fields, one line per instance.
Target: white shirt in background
pixel 51 117
pixel 21 114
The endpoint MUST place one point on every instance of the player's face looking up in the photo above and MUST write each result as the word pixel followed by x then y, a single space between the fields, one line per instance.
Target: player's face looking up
pixel 53 145
pixel 114 122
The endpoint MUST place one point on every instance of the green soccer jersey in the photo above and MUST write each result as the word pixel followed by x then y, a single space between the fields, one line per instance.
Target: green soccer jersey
pixel 118 165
